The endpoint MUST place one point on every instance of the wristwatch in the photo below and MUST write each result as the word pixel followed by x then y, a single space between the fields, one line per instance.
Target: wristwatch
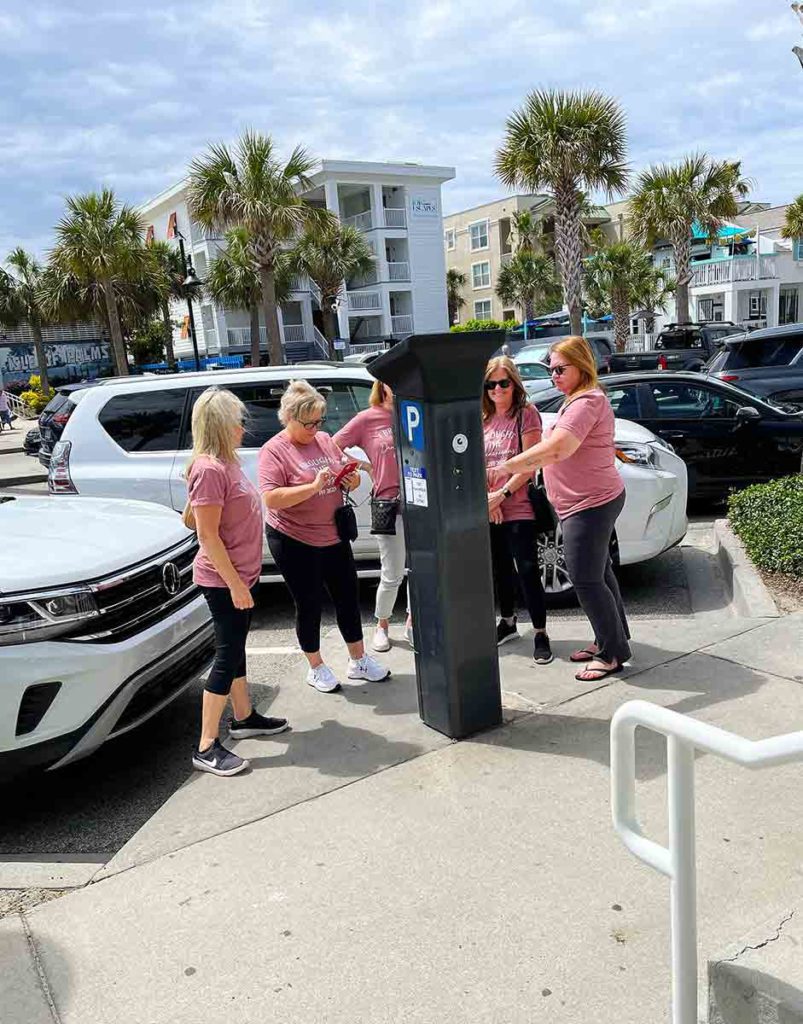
pixel 507 493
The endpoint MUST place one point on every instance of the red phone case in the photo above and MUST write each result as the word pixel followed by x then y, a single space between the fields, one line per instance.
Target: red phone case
pixel 347 470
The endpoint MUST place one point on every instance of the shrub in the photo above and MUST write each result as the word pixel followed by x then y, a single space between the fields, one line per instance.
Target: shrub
pixel 769 520
pixel 484 325
pixel 34 397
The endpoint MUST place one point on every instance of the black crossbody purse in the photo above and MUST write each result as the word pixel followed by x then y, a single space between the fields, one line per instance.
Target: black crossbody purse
pixel 345 519
pixel 545 519
pixel 383 516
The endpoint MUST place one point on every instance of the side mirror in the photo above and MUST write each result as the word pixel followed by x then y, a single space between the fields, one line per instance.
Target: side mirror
pixel 747 414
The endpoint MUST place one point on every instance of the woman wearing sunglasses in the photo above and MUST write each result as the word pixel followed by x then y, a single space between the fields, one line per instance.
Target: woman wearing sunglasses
pixel 585 488
pixel 297 470
pixel 512 425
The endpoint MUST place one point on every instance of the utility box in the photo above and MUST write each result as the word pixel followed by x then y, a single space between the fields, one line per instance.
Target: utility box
pixel 437 383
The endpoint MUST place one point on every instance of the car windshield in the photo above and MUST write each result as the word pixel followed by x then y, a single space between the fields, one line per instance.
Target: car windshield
pixel 758 352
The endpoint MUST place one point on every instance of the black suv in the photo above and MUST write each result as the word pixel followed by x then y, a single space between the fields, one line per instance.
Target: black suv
pixel 678 347
pixel 55 416
pixel 768 363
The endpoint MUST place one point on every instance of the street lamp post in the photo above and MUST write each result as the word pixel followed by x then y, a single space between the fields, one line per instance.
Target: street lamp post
pixel 191 282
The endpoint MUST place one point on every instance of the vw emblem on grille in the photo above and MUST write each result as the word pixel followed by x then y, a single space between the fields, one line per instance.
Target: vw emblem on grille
pixel 171 578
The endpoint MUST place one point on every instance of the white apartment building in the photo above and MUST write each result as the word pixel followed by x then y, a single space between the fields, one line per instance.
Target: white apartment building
pixel 396 205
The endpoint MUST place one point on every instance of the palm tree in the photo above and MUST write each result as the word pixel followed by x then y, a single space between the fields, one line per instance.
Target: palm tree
pixel 670 199
pixel 170 271
pixel 525 279
pixel 250 188
pixel 526 231
pixel 330 255
pixel 621 273
pixel 455 282
pixel 654 296
pixel 793 221
pixel 99 247
pixel 21 302
pixel 566 143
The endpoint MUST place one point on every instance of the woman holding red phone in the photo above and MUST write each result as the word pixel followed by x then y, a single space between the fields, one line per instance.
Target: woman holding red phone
pixel 302 475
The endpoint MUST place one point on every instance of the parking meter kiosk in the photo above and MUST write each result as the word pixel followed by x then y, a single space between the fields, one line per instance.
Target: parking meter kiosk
pixel 437 382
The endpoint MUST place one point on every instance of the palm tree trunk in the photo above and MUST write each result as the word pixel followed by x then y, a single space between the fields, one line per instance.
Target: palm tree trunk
pixel 569 245
pixel 170 355
pixel 255 355
pixel 118 345
pixel 268 282
pixel 682 251
pixel 41 357
pixel 620 308
pixel 331 327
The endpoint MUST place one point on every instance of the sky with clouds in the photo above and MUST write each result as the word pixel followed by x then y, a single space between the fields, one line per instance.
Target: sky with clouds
pixel 125 94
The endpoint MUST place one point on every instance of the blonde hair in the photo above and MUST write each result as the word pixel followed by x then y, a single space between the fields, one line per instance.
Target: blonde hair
pixel 377 393
pixel 519 394
pixel 300 401
pixel 577 351
pixel 215 416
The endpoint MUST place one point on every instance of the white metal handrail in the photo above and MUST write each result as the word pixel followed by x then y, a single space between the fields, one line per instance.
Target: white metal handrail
pixel 320 341
pixel 395 217
pixel 361 221
pixel 19 408
pixel 677 861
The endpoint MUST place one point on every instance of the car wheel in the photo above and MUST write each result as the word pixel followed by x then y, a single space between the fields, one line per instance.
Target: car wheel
pixel 558 588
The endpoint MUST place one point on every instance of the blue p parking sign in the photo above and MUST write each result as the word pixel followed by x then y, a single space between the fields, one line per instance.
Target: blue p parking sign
pixel 412 417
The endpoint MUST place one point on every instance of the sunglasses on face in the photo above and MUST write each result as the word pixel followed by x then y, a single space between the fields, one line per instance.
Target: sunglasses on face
pixel 558 371
pixel 503 384
pixel 313 424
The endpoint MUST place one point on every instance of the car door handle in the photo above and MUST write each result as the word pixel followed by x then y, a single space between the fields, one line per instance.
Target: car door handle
pixel 673 435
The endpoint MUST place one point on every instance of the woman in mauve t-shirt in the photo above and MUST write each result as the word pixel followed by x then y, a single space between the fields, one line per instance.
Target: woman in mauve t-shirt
pixel 511 425
pixel 297 470
pixel 585 488
pixel 372 431
pixel 228 520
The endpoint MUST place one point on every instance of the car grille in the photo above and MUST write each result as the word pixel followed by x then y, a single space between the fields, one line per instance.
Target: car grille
pixel 130 602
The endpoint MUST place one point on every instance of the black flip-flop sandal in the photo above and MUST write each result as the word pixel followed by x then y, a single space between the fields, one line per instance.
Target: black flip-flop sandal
pixel 585 654
pixel 600 674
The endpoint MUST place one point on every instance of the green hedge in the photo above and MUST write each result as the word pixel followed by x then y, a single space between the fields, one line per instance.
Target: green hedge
pixel 484 325
pixel 769 520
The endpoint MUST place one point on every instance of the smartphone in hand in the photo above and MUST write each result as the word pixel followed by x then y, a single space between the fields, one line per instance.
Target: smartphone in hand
pixel 345 471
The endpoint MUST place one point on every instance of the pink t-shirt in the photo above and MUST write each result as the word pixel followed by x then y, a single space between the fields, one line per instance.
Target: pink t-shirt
pixel 283 463
pixel 501 444
pixel 372 430
pixel 224 483
pixel 589 477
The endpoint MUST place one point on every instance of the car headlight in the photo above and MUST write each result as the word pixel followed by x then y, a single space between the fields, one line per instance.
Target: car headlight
pixel 636 454
pixel 42 615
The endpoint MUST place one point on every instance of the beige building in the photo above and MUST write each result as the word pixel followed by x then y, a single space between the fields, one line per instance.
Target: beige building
pixel 479 241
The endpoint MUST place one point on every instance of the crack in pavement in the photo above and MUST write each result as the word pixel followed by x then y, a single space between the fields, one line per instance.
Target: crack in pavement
pixel 39 967
pixel 760 945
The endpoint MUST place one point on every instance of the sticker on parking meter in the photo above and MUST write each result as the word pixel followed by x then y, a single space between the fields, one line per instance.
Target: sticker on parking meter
pixel 415 486
pixel 459 443
pixel 412 417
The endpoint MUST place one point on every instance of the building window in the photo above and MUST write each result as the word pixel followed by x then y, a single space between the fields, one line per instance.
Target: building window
pixel 797 248
pixel 448 237
pixel 172 226
pixel 479 235
pixel 787 307
pixel 481 275
pixel 482 309
pixel 508 314
pixel 758 306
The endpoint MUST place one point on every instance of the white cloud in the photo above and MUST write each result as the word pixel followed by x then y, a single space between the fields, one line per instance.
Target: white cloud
pixel 784 26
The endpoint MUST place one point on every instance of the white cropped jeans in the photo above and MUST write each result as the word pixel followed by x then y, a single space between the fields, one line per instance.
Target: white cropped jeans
pixel 392 556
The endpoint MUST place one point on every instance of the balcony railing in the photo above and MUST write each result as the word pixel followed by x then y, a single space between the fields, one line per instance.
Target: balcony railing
pixel 395 218
pixel 361 221
pixel 294 332
pixel 239 336
pixel 738 268
pixel 399 271
pixel 401 324
pixel 365 300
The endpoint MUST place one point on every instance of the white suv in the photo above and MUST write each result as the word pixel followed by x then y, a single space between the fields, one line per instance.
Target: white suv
pixel 131 438
pixel 101 625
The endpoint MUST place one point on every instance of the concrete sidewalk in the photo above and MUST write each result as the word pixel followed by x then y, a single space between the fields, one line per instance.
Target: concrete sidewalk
pixel 16 468
pixel 369 870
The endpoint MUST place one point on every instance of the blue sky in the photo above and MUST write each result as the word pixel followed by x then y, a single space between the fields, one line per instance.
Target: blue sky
pixel 125 94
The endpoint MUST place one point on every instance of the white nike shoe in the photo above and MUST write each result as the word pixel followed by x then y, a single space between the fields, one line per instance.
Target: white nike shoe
pixel 323 679
pixel 367 668
pixel 381 641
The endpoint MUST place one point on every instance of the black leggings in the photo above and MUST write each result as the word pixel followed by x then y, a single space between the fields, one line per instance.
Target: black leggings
pixel 307 570
pixel 231 631
pixel 514 548
pixel 586 548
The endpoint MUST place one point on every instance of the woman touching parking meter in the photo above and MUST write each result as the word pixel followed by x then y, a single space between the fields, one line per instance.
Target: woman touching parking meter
pixel 299 471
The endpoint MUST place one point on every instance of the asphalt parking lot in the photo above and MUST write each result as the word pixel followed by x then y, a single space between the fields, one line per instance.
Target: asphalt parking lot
pixel 95 806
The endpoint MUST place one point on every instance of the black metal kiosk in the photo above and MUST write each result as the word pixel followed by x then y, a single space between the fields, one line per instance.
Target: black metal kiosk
pixel 437 381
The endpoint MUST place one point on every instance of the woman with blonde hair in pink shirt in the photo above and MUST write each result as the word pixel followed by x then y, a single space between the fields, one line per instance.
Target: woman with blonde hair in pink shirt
pixel 228 520
pixel 578 457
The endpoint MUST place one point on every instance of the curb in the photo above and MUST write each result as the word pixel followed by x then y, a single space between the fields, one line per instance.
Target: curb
pixel 749 596
pixel 23 478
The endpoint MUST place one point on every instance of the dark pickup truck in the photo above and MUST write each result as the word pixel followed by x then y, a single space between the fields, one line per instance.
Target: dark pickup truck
pixel 677 347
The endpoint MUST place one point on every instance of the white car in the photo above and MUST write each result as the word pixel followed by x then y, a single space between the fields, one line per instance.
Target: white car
pixel 101 625
pixel 131 438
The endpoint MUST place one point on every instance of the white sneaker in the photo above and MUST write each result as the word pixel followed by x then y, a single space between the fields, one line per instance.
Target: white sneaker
pixel 367 668
pixel 381 640
pixel 323 679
